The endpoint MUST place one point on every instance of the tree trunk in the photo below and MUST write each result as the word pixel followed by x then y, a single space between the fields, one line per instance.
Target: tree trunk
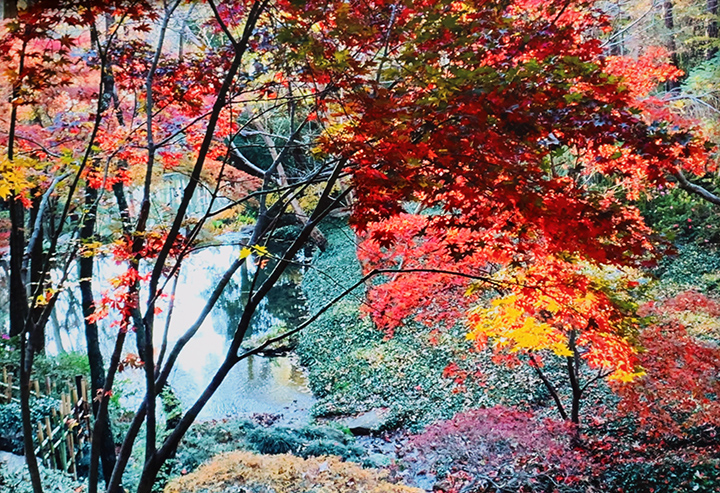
pixel 712 29
pixel 9 9
pixel 26 362
pixel 18 294
pixel 92 339
pixel 573 364
pixel 669 20
pixel 36 268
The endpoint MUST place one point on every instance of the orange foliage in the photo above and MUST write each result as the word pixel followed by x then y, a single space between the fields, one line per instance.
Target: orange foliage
pixel 285 473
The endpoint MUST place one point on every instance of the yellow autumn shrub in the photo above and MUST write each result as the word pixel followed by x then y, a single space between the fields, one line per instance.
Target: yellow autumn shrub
pixel 251 473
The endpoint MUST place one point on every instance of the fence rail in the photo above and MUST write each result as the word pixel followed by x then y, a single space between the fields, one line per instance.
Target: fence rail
pixel 62 434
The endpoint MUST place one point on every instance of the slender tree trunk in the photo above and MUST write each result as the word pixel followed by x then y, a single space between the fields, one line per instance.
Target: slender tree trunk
pixel 18 294
pixel 26 361
pixel 92 339
pixel 576 392
pixel 57 332
pixel 712 29
pixel 36 267
pixel 671 45
pixel 573 364
pixel 549 386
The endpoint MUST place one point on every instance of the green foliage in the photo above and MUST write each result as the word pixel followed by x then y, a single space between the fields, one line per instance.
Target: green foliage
pixel 9 356
pixel 693 268
pixel 274 441
pixel 701 86
pixel 683 217
pixel 317 448
pixel 674 473
pixel 65 366
pixel 353 368
pixel 326 433
pixel 11 421
pixel 172 407
pixel 53 481
pixel 59 368
pixel 306 442
pixel 121 416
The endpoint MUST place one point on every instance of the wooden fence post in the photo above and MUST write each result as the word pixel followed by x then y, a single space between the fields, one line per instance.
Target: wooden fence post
pixel 51 445
pixel 62 433
pixel 71 449
pixel 8 388
pixel 41 439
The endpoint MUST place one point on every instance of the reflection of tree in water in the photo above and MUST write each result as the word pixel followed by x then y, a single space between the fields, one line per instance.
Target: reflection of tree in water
pixel 284 303
pixel 228 309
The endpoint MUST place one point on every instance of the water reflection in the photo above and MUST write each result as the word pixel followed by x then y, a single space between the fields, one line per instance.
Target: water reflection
pixel 254 385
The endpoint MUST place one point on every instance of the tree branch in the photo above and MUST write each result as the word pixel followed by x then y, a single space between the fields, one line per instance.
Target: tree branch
pixel 696 189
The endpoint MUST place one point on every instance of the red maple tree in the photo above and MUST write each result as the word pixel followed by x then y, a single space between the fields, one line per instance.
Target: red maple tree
pixel 526 147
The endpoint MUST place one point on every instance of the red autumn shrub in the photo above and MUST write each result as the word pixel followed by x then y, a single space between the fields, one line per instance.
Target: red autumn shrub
pixel 680 391
pixel 498 448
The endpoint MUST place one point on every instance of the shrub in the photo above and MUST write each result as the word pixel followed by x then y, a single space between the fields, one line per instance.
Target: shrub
pixel 507 450
pixel 11 437
pixel 274 441
pixel 53 481
pixel 499 447
pixel 208 439
pixel 60 368
pixel 678 473
pixel 694 267
pixel 683 217
pixel 680 390
pixel 325 433
pixel 250 473
pixel 317 448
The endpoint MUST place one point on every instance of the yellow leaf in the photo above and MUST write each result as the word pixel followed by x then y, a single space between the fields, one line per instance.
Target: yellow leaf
pixel 552 306
pixel 562 350
pixel 261 250
pixel 245 252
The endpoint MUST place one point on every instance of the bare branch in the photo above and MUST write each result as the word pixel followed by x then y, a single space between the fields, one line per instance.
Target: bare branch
pixel 696 189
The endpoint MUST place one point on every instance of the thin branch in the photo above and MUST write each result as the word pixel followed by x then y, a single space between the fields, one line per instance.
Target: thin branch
pixel 597 377
pixel 44 203
pixel 548 384
pixel 631 25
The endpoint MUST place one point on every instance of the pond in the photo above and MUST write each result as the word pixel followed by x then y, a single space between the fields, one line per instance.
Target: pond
pixel 256 385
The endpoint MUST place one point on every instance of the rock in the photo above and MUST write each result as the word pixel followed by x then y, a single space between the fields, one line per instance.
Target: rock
pixel 367 423
pixel 265 419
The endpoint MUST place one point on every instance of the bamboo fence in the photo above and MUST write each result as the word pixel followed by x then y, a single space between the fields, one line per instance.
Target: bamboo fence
pixel 62 434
